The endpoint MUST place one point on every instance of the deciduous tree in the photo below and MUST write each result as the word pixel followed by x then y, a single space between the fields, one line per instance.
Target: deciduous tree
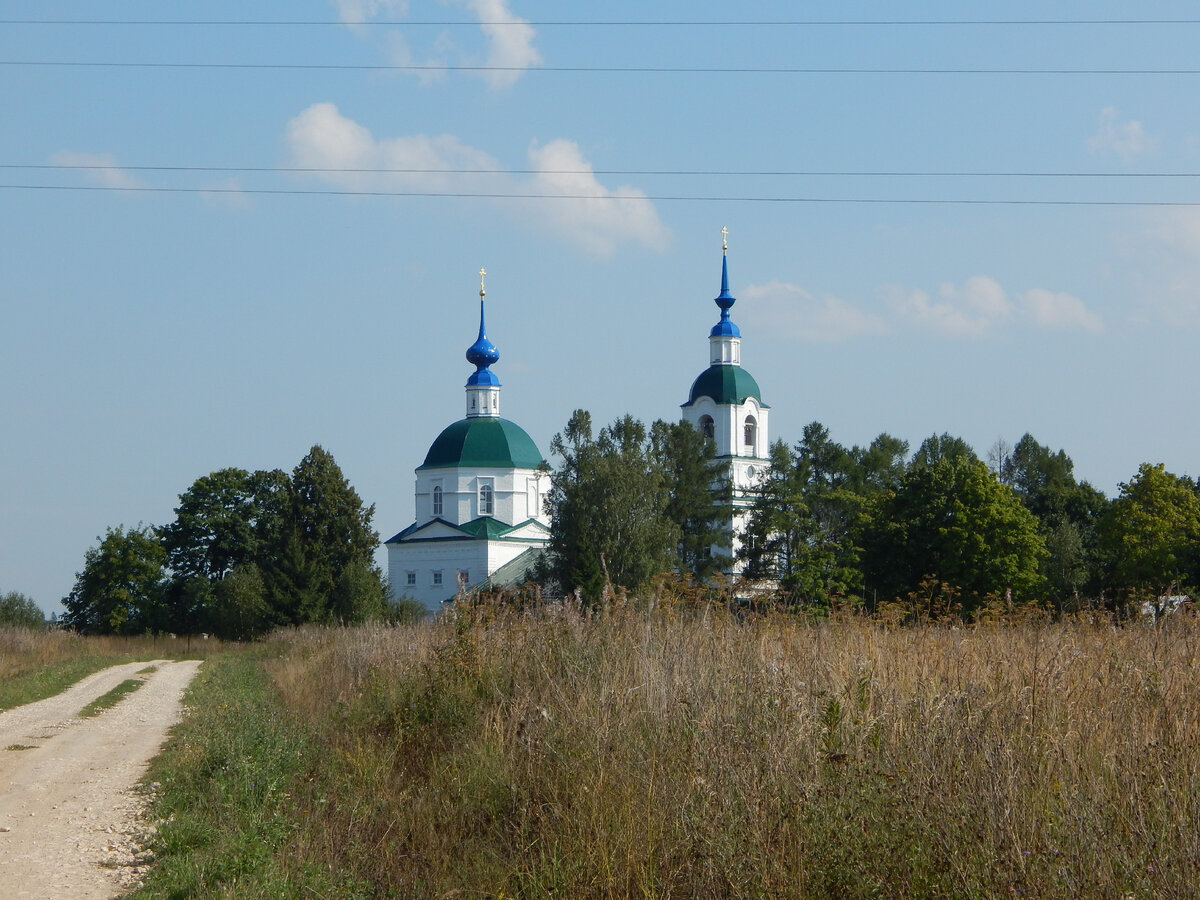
pixel 951 520
pixel 1151 533
pixel 121 589
pixel 18 610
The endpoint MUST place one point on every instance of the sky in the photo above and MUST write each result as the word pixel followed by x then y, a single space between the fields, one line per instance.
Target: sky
pixel 259 228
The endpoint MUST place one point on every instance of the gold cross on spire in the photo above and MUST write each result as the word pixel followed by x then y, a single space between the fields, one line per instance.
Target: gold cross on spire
pixel 482 272
pixel 724 239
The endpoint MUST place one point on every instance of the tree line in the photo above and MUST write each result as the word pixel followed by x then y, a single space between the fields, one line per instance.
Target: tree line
pixel 937 531
pixel 246 552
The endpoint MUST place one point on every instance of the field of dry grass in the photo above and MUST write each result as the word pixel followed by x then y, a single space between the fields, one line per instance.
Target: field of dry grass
pixel 686 754
pixel 38 663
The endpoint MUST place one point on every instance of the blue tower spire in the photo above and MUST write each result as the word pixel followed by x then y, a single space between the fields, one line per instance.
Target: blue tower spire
pixel 483 387
pixel 482 353
pixel 725 300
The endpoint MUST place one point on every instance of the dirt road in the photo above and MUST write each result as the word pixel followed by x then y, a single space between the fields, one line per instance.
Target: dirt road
pixel 69 825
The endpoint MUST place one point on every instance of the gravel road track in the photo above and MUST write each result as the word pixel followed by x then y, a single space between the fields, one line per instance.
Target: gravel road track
pixel 70 811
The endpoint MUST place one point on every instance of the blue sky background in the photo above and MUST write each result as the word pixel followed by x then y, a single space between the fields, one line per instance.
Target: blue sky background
pixel 148 337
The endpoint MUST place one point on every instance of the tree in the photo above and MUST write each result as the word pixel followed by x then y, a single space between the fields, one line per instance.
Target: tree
pixel 881 466
pixel 328 531
pixel 1045 482
pixel 224 519
pixel 999 456
pixel 238 609
pixel 608 503
pixel 779 527
pixel 952 521
pixel 360 595
pixel 807 518
pixel 121 589
pixel 18 610
pixel 1151 533
pixel 937 447
pixel 1067 512
pixel 697 494
pixel 227 519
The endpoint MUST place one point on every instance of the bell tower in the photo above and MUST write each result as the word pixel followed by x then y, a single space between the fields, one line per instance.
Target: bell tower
pixel 726 404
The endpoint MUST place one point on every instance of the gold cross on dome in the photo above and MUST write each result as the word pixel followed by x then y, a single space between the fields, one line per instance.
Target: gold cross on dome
pixel 724 238
pixel 482 272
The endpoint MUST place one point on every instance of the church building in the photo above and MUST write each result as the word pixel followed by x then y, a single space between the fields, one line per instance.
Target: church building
pixel 480 490
pixel 478 497
pixel 726 404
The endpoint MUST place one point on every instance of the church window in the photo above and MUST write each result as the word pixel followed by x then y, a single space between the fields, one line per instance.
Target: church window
pixel 487 499
pixel 464 578
pixel 437 577
pixel 410 578
pixel 437 500
pixel 531 490
pixel 751 430
pixel 707 426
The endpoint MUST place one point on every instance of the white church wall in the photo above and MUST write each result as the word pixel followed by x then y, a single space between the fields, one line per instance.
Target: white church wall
pixel 513 499
pixel 426 559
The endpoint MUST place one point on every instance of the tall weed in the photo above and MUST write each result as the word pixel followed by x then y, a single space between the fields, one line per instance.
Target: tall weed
pixel 559 752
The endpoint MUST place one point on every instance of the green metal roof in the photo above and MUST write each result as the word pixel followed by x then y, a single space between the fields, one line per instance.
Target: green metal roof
pixel 515 572
pixel 484 528
pixel 725 384
pixel 483 441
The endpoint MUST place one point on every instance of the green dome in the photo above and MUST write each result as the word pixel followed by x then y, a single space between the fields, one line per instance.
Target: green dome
pixel 725 384
pixel 486 442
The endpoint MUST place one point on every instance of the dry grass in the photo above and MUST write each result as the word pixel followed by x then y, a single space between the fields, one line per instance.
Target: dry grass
pixel 22 649
pixel 36 663
pixel 660 754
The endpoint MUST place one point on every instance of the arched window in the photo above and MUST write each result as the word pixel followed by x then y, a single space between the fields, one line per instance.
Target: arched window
pixel 706 427
pixel 437 499
pixel 487 503
pixel 750 430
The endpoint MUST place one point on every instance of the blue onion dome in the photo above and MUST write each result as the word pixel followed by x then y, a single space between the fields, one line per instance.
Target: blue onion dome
pixel 725 300
pixel 483 352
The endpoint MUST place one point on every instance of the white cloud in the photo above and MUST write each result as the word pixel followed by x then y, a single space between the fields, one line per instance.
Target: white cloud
pixel 100 168
pixel 322 138
pixel 576 206
pixel 352 12
pixel 606 217
pixel 428 70
pixel 788 310
pixel 1125 139
pixel 509 39
pixel 980 305
pixel 1056 309
pixel 967 311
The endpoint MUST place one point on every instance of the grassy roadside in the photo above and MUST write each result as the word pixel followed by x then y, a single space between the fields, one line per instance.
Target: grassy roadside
pixel 235 779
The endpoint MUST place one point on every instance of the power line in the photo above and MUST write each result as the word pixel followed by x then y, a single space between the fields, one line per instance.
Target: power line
pixel 669 70
pixel 660 198
pixel 718 173
pixel 620 23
